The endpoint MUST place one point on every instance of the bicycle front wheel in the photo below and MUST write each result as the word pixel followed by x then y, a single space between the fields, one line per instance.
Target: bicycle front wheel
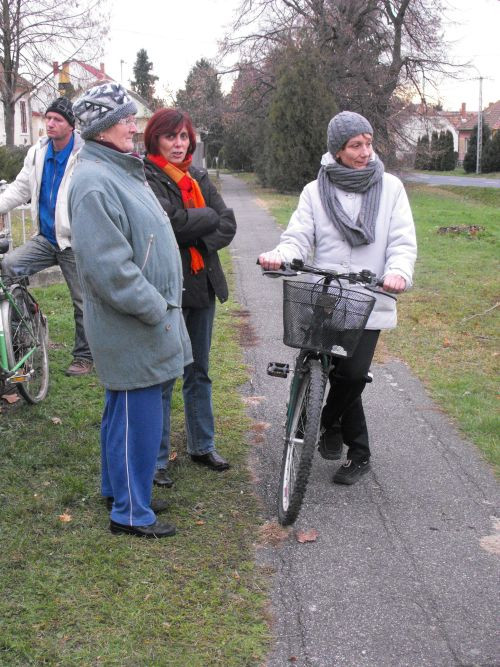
pixel 301 438
pixel 26 336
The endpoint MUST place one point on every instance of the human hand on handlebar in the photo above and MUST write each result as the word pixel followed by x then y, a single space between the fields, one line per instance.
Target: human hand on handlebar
pixel 394 283
pixel 270 261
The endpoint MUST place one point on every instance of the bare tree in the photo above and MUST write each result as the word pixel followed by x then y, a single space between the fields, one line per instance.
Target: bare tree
pixel 35 32
pixel 376 53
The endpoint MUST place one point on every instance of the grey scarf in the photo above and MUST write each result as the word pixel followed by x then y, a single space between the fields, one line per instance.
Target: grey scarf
pixel 367 181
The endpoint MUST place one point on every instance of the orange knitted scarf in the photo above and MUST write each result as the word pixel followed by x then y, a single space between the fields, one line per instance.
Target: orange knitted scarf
pixel 192 196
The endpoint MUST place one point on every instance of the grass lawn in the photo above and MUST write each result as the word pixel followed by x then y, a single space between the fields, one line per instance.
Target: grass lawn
pixel 73 594
pixel 458 171
pixel 449 322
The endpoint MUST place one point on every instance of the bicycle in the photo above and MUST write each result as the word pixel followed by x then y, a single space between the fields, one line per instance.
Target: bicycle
pixel 24 360
pixel 324 320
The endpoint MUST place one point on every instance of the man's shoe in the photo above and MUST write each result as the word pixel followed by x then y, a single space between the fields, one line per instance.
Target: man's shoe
pixel 157 530
pixel 212 460
pixel 331 443
pixel 350 472
pixel 162 479
pixel 158 506
pixel 80 367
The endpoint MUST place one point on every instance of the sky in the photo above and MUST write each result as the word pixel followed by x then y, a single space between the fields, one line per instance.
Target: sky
pixel 175 39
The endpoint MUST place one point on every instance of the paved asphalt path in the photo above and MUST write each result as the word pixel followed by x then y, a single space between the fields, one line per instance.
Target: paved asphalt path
pixel 404 570
pixel 436 179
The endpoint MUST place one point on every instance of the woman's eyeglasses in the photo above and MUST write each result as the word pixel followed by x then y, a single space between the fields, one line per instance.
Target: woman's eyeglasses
pixel 127 121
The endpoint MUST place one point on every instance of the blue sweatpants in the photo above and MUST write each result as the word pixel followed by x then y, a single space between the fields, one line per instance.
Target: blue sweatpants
pixel 131 431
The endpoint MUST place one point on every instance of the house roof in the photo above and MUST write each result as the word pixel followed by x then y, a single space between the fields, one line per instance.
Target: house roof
pixel 461 120
pixel 467 120
pixel 492 115
pixel 99 74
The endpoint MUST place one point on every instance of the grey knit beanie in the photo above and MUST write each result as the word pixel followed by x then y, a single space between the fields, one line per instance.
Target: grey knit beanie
pixel 102 107
pixel 64 108
pixel 343 126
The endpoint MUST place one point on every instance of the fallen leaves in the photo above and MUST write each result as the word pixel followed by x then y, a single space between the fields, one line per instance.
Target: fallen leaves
pixel 272 533
pixel 253 400
pixel 11 398
pixel 307 536
pixel 65 517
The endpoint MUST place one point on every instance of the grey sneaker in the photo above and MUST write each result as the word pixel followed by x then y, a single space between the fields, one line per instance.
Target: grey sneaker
pixel 331 443
pixel 350 472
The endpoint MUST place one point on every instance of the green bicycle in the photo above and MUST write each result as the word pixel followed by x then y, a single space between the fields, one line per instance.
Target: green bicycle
pixel 324 320
pixel 24 360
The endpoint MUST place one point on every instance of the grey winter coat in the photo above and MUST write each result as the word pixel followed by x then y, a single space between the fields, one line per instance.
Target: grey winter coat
pixel 129 265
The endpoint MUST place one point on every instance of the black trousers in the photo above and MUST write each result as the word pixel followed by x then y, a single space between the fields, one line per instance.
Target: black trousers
pixel 344 405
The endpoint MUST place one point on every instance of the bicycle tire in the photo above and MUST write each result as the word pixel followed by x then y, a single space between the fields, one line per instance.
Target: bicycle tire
pixel 23 333
pixel 300 442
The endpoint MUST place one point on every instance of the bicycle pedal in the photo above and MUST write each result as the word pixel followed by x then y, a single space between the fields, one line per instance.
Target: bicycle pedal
pixel 277 369
pixel 18 378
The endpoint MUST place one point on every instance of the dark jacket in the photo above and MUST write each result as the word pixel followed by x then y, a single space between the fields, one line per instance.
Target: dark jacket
pixel 207 229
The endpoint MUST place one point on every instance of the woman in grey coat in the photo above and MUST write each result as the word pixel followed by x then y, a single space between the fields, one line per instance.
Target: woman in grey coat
pixel 129 266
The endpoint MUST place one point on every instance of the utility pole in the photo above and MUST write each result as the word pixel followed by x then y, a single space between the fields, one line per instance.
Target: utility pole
pixel 479 128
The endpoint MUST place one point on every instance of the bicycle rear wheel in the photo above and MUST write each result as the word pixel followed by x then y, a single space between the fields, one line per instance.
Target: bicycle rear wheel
pixel 300 442
pixel 26 330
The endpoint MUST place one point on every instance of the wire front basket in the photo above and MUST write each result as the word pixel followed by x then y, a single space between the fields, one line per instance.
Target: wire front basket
pixel 324 318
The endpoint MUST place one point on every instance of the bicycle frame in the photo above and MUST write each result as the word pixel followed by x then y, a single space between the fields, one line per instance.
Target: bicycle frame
pixel 10 375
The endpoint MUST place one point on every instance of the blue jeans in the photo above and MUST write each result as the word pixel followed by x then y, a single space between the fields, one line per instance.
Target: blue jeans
pixel 196 390
pixel 38 254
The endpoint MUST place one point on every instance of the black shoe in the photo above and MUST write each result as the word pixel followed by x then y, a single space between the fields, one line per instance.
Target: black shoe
pixel 155 530
pixel 158 506
pixel 212 460
pixel 162 479
pixel 331 443
pixel 350 472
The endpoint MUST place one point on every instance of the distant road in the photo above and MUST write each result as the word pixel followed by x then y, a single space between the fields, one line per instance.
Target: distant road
pixel 434 179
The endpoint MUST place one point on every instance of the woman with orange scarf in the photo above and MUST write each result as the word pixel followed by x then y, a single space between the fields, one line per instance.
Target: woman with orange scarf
pixel 202 225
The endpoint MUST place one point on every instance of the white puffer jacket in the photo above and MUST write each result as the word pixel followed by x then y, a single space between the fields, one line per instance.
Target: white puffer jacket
pixel 26 187
pixel 310 233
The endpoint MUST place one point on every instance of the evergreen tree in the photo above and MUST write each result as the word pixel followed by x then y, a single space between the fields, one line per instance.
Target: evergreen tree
pixel 144 84
pixel 434 152
pixel 448 157
pixel 470 159
pixel 417 164
pixel 301 107
pixel 424 152
pixel 491 154
pixel 203 100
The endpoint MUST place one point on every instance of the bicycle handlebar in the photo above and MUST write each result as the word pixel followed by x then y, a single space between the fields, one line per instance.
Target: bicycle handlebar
pixel 297 266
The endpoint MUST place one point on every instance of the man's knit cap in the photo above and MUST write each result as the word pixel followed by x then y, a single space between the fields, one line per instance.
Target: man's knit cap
pixel 64 108
pixel 102 107
pixel 344 126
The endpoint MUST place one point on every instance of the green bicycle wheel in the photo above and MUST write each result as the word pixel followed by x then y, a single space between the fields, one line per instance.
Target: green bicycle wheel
pixel 300 442
pixel 26 329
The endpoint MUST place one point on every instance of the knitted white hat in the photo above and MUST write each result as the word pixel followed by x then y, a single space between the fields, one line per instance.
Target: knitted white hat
pixel 102 107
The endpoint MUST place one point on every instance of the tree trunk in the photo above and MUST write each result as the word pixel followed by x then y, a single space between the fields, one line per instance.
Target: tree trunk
pixel 9 116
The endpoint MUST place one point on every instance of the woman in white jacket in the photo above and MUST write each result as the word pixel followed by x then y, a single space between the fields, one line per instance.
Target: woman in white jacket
pixel 353 217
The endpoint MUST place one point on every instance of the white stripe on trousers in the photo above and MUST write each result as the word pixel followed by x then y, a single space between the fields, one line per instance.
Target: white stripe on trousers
pixel 126 459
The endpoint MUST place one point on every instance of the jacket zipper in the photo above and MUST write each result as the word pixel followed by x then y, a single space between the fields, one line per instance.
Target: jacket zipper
pixel 150 243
